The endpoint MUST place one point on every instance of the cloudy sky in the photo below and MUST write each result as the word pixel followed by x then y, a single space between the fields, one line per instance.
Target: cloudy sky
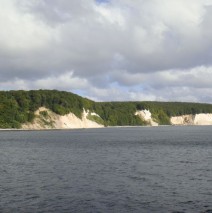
pixel 109 49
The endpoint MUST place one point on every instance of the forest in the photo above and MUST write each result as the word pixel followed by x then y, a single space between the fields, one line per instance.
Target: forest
pixel 18 107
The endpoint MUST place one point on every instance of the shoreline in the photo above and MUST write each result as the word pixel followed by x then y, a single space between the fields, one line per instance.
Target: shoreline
pixel 68 129
pixel 56 129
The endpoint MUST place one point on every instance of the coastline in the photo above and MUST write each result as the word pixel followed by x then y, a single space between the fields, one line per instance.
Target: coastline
pixel 58 129
pixel 107 127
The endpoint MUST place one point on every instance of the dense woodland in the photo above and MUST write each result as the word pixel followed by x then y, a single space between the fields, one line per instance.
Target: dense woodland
pixel 18 107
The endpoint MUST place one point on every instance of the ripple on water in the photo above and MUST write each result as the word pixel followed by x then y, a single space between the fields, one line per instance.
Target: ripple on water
pixel 108 170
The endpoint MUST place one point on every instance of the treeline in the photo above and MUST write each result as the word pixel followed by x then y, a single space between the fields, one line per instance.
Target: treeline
pixel 162 111
pixel 18 107
pixel 122 113
pixel 118 113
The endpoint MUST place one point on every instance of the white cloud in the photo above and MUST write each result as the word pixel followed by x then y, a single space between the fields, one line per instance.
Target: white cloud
pixel 64 81
pixel 109 14
pixel 21 31
pixel 198 77
pixel 117 49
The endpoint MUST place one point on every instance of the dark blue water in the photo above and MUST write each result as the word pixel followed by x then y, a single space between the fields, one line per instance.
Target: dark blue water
pixel 162 169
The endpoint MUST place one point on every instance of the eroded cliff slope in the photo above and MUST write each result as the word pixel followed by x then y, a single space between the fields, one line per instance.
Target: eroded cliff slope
pixel 46 119
pixel 41 109
pixel 197 119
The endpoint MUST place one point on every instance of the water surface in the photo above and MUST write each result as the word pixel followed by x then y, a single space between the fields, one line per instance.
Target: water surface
pixel 161 169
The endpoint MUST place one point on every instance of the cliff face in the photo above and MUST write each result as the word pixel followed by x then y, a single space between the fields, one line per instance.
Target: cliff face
pixel 146 116
pixel 198 119
pixel 65 110
pixel 46 119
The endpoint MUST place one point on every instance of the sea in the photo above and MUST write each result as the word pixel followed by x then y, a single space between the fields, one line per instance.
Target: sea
pixel 139 169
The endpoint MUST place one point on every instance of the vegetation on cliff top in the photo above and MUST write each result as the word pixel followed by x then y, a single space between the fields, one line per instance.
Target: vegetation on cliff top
pixel 18 107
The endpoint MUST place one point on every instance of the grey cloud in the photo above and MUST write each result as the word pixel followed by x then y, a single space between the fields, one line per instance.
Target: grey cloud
pixel 54 12
pixel 198 77
pixel 113 48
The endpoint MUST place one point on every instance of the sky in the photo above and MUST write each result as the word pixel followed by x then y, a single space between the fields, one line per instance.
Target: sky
pixel 109 50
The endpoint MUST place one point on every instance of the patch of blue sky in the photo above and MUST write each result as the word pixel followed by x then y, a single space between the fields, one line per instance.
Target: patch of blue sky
pixel 102 1
pixel 127 88
pixel 78 92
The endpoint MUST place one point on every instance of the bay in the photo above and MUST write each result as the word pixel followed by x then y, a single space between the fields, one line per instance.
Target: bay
pixel 139 169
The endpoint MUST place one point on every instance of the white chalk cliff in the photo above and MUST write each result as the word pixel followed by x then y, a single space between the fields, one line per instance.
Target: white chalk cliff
pixel 46 119
pixel 146 116
pixel 198 119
